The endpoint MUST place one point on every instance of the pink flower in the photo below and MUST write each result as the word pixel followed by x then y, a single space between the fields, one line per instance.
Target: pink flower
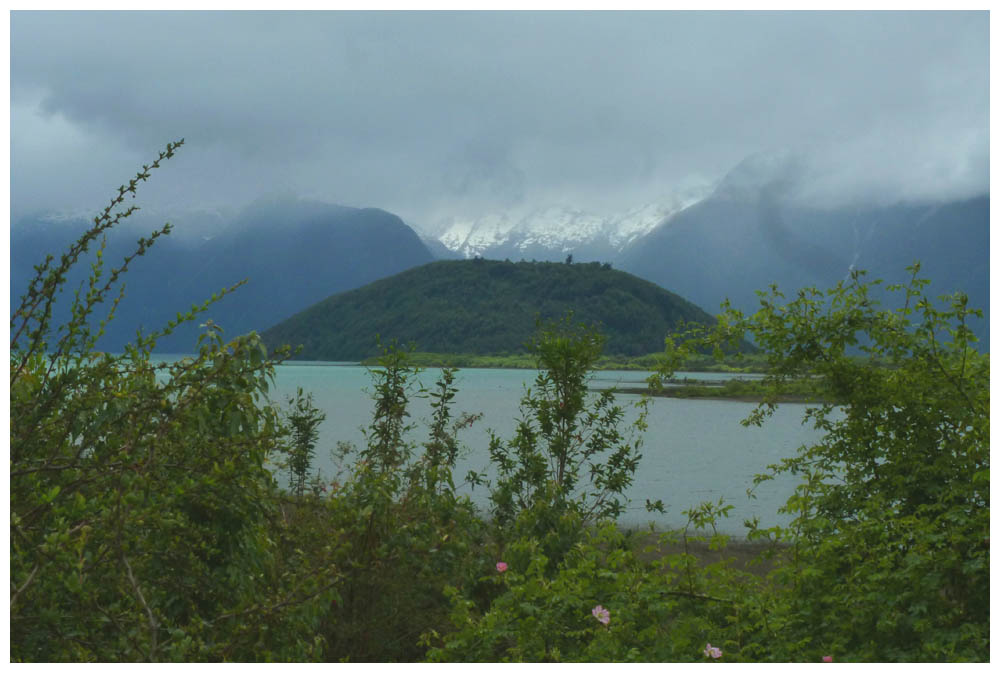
pixel 501 567
pixel 713 652
pixel 601 614
pixel 828 658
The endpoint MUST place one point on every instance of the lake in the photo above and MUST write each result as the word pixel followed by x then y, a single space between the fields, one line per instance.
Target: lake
pixel 694 450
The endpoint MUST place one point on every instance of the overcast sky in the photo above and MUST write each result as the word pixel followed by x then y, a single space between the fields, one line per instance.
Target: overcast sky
pixel 440 115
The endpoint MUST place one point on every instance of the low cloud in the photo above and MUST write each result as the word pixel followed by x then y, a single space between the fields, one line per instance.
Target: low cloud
pixel 430 113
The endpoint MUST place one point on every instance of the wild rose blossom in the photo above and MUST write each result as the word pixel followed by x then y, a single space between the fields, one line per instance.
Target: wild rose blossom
pixel 601 614
pixel 828 658
pixel 713 652
pixel 501 567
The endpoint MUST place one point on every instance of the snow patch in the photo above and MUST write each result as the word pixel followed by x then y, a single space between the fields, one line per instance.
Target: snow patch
pixel 559 228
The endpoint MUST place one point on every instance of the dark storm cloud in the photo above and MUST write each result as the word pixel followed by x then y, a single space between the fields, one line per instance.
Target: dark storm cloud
pixel 425 112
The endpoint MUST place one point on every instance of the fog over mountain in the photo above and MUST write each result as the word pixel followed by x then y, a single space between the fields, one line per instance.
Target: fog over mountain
pixel 291 253
pixel 753 230
pixel 449 117
pixel 709 152
pixel 550 232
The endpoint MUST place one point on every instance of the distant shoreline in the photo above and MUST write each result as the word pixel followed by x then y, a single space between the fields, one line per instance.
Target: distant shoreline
pixel 718 393
pixel 651 362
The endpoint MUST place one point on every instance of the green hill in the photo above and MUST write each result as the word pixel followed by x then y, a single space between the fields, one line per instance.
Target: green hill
pixel 485 307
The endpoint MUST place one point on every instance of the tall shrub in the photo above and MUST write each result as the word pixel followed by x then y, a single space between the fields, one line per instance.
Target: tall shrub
pixel 568 449
pixel 143 523
pixel 890 535
pixel 406 534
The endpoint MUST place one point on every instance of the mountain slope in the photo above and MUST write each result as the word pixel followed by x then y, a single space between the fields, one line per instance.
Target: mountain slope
pixel 484 307
pixel 293 254
pixel 754 229
pixel 729 246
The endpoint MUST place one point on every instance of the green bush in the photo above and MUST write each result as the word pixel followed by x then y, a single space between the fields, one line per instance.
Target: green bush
pixel 601 603
pixel 889 541
pixel 887 556
pixel 570 460
pixel 144 519
pixel 302 420
pixel 403 532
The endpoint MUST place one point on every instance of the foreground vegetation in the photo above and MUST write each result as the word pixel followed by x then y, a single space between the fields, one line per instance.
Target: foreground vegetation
pixel 147 521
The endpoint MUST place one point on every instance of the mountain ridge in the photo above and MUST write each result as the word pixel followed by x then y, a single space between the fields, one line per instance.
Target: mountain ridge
pixel 293 252
pixel 765 222
pixel 547 233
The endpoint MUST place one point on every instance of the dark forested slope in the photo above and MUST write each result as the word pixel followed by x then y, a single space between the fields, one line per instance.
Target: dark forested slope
pixel 482 307
pixel 750 233
pixel 293 253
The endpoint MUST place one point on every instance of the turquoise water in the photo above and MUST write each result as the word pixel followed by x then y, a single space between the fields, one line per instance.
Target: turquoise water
pixel 694 450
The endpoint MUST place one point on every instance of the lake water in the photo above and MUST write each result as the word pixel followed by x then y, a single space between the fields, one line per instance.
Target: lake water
pixel 694 450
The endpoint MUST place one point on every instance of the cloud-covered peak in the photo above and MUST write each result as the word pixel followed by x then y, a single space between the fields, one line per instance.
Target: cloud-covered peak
pixel 555 230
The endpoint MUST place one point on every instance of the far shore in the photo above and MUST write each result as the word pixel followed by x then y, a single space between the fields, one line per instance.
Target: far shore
pixel 719 393
pixel 650 362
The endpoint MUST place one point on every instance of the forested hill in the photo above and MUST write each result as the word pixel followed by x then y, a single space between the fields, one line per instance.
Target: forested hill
pixel 485 307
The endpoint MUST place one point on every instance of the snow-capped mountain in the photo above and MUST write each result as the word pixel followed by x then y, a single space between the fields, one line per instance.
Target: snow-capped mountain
pixel 552 232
